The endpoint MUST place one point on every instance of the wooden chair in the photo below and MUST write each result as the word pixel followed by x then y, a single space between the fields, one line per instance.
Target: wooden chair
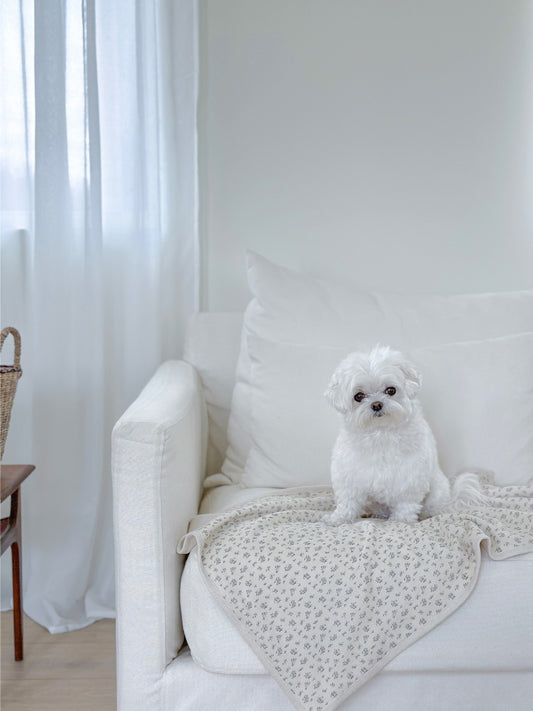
pixel 12 476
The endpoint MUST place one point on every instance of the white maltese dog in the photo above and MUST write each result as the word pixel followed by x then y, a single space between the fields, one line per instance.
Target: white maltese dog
pixel 385 454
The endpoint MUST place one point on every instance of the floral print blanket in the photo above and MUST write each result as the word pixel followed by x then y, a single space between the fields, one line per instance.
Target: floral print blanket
pixel 326 608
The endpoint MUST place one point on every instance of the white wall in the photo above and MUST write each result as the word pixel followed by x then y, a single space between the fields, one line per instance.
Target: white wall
pixel 386 141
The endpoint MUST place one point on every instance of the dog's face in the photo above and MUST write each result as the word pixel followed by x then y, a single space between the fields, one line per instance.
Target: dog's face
pixel 377 389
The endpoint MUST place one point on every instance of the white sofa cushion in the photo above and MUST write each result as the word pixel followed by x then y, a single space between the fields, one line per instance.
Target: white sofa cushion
pixel 292 308
pixel 477 397
pixel 212 343
pixel 490 632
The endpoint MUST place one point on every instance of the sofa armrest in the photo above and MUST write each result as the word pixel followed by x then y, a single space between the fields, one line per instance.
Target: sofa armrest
pixel 158 464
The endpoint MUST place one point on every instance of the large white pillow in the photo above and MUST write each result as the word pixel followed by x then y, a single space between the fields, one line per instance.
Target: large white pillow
pixel 295 308
pixel 477 397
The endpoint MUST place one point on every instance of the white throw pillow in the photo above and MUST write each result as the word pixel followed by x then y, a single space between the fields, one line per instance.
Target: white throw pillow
pixel 289 307
pixel 296 308
pixel 477 397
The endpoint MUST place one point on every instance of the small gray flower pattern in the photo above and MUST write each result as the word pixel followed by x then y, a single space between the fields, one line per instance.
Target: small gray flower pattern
pixel 325 608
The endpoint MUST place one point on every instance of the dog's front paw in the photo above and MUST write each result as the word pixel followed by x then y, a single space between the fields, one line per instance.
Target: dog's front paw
pixel 405 513
pixel 336 518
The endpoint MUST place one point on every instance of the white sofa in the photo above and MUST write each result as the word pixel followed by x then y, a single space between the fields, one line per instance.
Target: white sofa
pixel 163 447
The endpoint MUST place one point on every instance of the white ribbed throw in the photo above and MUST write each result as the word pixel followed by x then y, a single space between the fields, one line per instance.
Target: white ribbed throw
pixel 326 608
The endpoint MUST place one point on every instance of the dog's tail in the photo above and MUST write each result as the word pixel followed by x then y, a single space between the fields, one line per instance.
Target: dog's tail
pixel 467 492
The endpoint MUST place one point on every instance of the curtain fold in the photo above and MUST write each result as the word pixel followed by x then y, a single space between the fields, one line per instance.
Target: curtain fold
pixel 99 261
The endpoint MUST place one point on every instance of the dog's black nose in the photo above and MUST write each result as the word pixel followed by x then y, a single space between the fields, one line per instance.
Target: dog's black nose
pixel 376 406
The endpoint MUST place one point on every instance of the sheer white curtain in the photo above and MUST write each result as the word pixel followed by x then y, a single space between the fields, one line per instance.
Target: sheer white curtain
pixel 99 261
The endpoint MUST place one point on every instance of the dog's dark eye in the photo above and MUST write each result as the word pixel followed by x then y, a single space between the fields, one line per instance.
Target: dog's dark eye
pixel 359 396
pixel 390 391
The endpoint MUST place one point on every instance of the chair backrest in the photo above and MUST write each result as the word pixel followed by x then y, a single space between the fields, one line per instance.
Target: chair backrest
pixel 212 344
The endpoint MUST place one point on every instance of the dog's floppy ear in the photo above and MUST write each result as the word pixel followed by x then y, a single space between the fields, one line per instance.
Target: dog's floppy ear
pixel 336 392
pixel 339 391
pixel 413 379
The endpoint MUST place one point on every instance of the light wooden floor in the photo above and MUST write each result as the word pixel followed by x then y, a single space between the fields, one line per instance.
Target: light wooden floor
pixel 74 671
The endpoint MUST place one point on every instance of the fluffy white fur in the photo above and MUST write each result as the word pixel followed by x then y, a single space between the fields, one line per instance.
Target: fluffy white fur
pixel 385 454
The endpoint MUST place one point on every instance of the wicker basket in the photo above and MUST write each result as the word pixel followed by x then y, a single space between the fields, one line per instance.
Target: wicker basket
pixel 9 376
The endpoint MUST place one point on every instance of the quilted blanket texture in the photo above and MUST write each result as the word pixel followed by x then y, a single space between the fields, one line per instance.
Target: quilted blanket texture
pixel 326 608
